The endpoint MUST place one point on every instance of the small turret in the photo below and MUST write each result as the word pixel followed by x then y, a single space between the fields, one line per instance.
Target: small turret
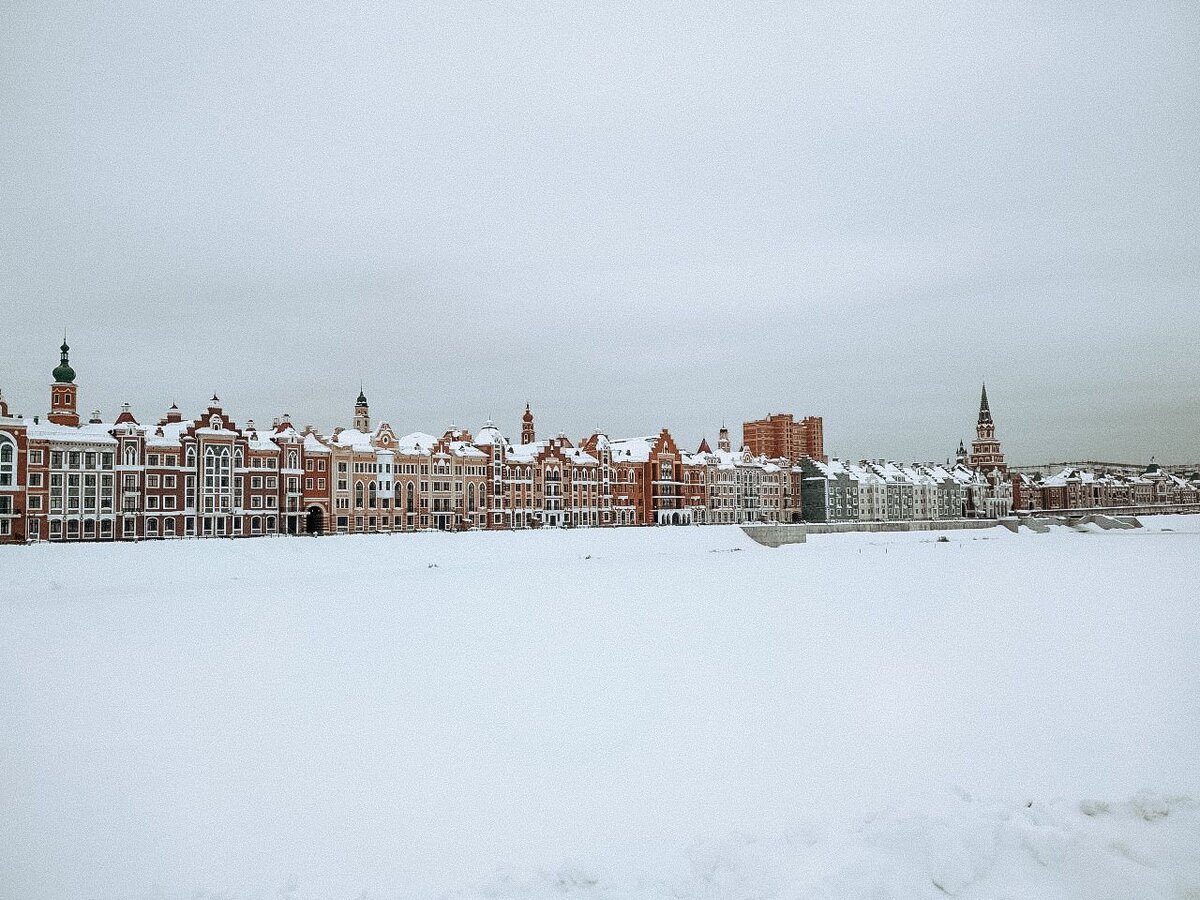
pixel 723 440
pixel 63 373
pixel 362 412
pixel 64 391
pixel 126 416
pixel 527 433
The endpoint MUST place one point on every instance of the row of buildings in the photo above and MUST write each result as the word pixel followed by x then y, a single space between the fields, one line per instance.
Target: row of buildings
pixel 1075 488
pixel 66 479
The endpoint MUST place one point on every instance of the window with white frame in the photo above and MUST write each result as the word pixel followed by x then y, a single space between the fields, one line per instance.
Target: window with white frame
pixel 8 461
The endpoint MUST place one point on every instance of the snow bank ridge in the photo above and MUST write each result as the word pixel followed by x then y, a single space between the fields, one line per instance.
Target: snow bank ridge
pixel 961 847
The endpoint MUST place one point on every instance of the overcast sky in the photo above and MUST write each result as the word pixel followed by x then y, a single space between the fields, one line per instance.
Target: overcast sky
pixel 665 214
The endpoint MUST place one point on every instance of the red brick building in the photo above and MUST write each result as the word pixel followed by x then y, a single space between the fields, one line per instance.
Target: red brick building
pixel 780 436
pixel 64 479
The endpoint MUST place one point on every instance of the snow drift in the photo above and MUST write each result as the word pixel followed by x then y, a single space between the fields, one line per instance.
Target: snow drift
pixel 641 712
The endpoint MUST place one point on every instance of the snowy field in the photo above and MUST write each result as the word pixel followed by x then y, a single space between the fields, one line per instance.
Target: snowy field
pixel 658 713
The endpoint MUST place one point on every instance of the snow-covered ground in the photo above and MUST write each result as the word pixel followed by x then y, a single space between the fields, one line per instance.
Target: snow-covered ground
pixel 662 713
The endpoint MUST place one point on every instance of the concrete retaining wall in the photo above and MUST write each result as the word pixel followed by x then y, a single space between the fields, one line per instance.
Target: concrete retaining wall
pixel 777 535
pixel 916 525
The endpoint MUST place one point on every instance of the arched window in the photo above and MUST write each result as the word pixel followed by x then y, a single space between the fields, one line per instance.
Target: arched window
pixel 216 470
pixel 358 495
pixel 191 457
pixel 293 460
pixel 8 461
pixel 131 454
pixel 470 498
pixel 239 460
pixel 215 423
pixel 408 503
pixel 372 493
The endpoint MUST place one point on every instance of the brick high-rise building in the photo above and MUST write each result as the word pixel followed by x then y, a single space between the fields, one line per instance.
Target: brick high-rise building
pixel 780 436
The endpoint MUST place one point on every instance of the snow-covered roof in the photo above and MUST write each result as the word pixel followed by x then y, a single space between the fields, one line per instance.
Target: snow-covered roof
pixel 416 444
pixel 355 439
pixel 89 433
pixel 579 457
pixel 635 449
pixel 313 444
pixel 465 450
pixel 489 435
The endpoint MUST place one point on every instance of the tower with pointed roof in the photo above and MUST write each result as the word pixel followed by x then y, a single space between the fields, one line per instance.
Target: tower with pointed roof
pixel 985 449
pixel 362 412
pixel 527 433
pixel 64 392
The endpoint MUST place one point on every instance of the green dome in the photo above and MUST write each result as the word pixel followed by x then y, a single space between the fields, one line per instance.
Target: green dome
pixel 63 373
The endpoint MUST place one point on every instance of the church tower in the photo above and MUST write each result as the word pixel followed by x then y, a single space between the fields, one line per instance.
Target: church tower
pixel 63 393
pixel 527 435
pixel 362 413
pixel 985 449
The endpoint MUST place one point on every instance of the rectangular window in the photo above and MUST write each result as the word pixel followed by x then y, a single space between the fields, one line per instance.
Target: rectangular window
pixel 35 457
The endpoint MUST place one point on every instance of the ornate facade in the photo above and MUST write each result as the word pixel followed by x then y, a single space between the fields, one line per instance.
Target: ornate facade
pixel 66 479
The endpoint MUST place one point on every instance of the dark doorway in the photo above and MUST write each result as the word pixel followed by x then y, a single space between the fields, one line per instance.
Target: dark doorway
pixel 314 522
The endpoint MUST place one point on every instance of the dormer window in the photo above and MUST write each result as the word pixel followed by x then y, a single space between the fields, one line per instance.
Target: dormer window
pixel 215 423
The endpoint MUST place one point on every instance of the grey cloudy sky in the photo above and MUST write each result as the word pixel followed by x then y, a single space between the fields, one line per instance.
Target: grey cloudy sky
pixel 631 215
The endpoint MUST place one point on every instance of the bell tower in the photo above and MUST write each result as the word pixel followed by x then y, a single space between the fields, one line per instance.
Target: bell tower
pixel 985 449
pixel 362 413
pixel 527 434
pixel 64 391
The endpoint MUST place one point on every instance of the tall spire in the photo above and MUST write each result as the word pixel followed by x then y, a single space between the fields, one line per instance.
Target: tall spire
pixel 985 413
